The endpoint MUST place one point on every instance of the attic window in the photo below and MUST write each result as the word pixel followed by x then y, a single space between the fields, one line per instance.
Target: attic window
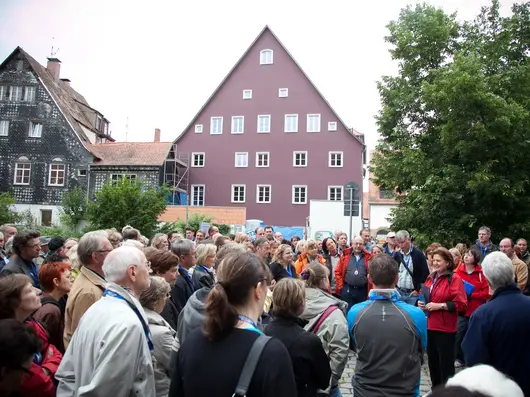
pixel 20 65
pixel 266 57
pixel 98 122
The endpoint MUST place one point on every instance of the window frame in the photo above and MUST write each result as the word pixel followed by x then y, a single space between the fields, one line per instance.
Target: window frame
pixel 285 122
pixel 24 163
pixel 232 193
pixel 199 128
pixel 212 125
pixel 294 194
pixel 330 156
pixel 268 159
pixel 247 91
pixel 257 194
pixel 193 155
pixel 270 122
pixel 263 59
pixel 336 187
pixel 295 152
pixel 332 126
pixel 50 170
pixel 192 198
pixel 242 125
pixel 6 128
pixel 286 90
pixel 32 124
pixel 310 115
pixel 26 94
pixel 235 159
pixel 130 177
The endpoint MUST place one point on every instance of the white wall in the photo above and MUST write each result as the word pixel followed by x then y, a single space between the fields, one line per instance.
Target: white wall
pixel 36 211
pixel 379 214
pixel 327 215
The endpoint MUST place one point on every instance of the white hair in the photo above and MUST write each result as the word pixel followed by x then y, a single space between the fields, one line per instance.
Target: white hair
pixel 402 235
pixel 118 260
pixel 486 380
pixel 498 269
pixel 132 243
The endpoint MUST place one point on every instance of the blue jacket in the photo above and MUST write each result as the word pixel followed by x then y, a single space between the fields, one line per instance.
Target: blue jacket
pixel 391 337
pixel 497 335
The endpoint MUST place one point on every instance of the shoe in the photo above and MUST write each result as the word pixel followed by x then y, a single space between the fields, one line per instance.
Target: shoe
pixel 459 364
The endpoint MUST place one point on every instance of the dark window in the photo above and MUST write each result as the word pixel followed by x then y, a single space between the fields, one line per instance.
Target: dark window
pixel 386 194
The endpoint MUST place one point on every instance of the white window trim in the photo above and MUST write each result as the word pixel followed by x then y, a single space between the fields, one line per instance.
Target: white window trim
pixel 193 154
pixel 247 91
pixel 15 176
pixel 285 122
pixel 336 187
pixel 30 134
pixel 294 158
pixel 50 175
pixel 319 121
pixel 243 125
pixel 257 194
pixel 341 160
pixel 4 131
pixel 261 57
pixel 270 122
pixel 199 128
pixel 268 160
pixel 211 125
pixel 332 126
pixel 203 195
pixel 79 173
pixel 235 160
pixel 232 191
pixel 293 190
pixel 280 92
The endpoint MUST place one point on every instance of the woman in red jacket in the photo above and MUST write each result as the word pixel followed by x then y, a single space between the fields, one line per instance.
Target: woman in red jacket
pixel 471 272
pixel 446 299
pixel 18 300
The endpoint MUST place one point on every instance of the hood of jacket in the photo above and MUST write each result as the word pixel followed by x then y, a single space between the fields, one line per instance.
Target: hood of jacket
pixel 192 316
pixel 317 301
pixel 154 318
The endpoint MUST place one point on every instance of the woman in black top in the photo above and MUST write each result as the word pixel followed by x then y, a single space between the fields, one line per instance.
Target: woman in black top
pixel 210 360
pixel 310 362
pixel 282 263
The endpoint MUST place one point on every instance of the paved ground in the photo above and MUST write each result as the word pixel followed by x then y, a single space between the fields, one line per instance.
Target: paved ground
pixel 345 384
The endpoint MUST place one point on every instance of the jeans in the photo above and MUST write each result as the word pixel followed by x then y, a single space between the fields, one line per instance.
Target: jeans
pixel 460 333
pixel 335 392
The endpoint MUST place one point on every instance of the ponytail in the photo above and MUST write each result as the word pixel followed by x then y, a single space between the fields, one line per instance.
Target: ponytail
pixel 221 316
pixel 313 274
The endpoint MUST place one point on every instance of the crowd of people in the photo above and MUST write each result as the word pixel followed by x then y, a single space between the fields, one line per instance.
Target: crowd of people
pixel 201 314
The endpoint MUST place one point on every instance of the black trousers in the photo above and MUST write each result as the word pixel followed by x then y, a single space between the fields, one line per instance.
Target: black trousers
pixel 460 333
pixel 441 353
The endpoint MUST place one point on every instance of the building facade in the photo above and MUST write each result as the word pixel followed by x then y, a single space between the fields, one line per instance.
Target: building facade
pixel 268 140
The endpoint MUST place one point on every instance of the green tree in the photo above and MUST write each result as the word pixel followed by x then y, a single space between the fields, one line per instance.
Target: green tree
pixel 7 213
pixel 127 202
pixel 73 208
pixel 455 124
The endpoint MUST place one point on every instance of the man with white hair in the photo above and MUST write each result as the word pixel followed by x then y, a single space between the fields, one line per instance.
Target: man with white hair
pixel 497 333
pixel 110 352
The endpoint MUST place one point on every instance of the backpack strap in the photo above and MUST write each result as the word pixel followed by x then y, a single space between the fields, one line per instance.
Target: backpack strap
pixel 323 318
pixel 250 365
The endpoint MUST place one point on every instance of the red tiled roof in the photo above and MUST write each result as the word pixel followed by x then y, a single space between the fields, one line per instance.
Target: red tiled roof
pixel 131 153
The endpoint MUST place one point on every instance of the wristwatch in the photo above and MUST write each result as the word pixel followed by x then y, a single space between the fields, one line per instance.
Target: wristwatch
pixel 444 306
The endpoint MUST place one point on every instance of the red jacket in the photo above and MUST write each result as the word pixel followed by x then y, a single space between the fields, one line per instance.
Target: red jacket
pixel 340 270
pixel 40 384
pixel 448 289
pixel 481 293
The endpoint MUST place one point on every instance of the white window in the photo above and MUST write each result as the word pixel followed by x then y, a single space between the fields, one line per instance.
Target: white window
pixel 114 178
pixel 283 92
pixel 22 173
pixel 197 195
pixel 264 123
pixel 29 94
pixel 262 159
pixel 197 159
pixel 291 123
pixel 4 127
pixel 247 94
pixel 263 194
pixel 299 194
pixel 198 128
pixel 56 176
pixel 216 125
pixel 99 120
pixel 4 96
pixel 299 159
pixel 15 94
pixel 332 126
pixel 238 193
pixel 335 159
pixel 35 130
pixel 241 159
pixel 238 124
pixel 313 123
pixel 335 193
pixel 81 172
pixel 266 57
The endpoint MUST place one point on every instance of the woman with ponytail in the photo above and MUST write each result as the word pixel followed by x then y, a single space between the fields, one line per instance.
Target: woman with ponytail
pixel 210 360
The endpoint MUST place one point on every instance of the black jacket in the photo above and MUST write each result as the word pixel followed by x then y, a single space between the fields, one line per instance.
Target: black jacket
pixel 310 362
pixel 202 278
pixel 181 291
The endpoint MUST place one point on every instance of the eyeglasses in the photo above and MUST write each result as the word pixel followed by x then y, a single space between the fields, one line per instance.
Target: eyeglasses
pixel 34 246
pixel 104 251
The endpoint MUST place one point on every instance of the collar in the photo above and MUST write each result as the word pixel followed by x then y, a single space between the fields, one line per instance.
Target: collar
pixel 290 320
pixel 511 289
pixel 126 295
pixel 93 277
pixel 384 295
pixel 434 274
pixel 410 250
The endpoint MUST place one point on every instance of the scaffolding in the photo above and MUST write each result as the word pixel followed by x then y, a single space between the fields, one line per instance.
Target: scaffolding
pixel 177 176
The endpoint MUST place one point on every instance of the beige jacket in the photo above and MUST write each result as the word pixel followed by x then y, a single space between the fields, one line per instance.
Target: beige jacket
pixel 87 289
pixel 521 272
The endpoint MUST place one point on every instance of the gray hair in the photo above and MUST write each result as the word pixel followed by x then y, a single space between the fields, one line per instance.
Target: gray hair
pixel 8 246
pixel 228 250
pixel 301 245
pixel 498 270
pixel 203 250
pixel 402 235
pixel 157 291
pixel 1 235
pixel 6 226
pixel 157 239
pixel 132 243
pixel 90 243
pixel 118 260
pixel 486 380
pixel 485 229
pixel 182 246
pixel 73 257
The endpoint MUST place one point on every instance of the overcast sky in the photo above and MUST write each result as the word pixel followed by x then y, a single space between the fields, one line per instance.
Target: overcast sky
pixel 156 62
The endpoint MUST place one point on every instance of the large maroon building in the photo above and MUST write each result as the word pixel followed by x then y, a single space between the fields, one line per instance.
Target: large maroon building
pixel 268 140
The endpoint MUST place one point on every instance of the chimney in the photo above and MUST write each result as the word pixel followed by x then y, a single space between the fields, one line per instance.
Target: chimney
pixel 54 68
pixel 66 82
pixel 157 135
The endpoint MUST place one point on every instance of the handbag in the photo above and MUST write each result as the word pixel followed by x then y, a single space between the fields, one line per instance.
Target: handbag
pixel 250 365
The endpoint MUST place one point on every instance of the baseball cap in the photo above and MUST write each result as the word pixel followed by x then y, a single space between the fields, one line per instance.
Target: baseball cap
pixel 44 240
pixel 391 234
pixel 55 243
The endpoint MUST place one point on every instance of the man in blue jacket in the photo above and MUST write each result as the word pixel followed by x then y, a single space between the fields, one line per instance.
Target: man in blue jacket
pixel 497 333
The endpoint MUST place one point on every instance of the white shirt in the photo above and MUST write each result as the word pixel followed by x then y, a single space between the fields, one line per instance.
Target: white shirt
pixel 405 279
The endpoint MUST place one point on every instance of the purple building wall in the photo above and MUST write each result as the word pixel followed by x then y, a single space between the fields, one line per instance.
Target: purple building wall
pixel 219 172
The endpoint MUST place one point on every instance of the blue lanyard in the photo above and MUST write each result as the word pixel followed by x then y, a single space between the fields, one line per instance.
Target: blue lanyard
pixel 33 273
pixel 137 312
pixel 434 282
pixel 358 261
pixel 485 249
pixel 248 320
pixel 204 268
pixel 187 276
pixel 289 270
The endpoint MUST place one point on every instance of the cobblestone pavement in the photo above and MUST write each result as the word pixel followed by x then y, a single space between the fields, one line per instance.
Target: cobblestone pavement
pixel 345 383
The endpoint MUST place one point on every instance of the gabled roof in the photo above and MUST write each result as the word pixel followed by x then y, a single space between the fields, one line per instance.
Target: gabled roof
pixel 68 100
pixel 131 153
pixel 355 134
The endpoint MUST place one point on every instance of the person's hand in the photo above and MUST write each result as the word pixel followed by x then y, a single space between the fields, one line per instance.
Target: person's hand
pixel 432 306
pixel 421 305
pixel 414 293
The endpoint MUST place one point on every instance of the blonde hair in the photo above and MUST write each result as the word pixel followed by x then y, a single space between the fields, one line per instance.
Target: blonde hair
pixel 240 237
pixel 277 257
pixel 456 252
pixel 73 258
pixel 313 274
pixel 462 248
pixel 157 240
pixel 288 297
pixel 311 244
pixel 204 250
pixel 301 246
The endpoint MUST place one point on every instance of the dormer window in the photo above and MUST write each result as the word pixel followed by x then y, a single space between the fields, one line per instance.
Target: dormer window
pixel 106 128
pixel 99 120
pixel 266 57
